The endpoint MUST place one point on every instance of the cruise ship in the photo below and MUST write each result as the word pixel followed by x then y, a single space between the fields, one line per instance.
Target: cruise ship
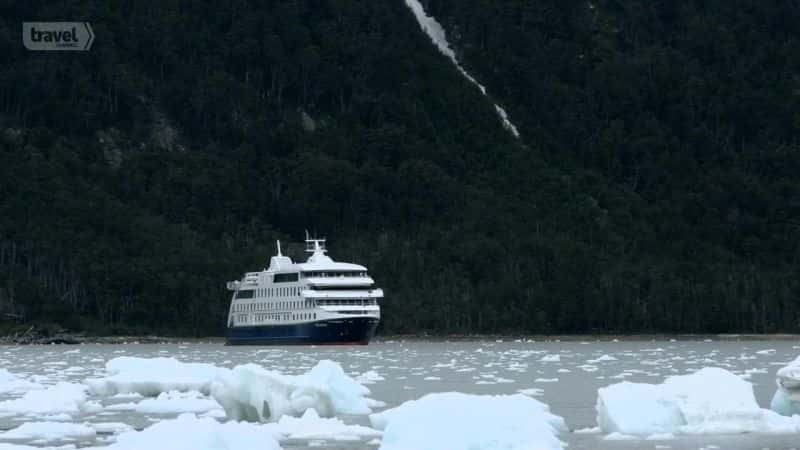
pixel 320 301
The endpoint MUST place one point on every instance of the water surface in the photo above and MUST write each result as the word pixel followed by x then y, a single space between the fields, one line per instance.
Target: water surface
pixel 412 369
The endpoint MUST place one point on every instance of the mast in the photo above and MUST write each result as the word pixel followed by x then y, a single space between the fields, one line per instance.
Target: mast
pixel 315 245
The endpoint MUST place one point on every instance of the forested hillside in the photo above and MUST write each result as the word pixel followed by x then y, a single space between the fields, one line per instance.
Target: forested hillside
pixel 654 187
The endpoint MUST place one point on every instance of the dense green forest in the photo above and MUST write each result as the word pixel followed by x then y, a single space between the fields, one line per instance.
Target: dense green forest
pixel 655 186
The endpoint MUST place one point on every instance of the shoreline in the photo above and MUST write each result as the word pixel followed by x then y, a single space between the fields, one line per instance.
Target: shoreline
pixel 728 337
pixel 68 339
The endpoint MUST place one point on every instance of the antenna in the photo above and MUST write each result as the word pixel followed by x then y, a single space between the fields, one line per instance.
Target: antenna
pixel 279 247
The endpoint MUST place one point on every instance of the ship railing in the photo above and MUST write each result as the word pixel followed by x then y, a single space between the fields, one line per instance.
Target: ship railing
pixel 355 293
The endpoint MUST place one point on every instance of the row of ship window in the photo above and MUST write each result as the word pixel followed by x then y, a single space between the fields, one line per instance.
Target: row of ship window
pixel 324 274
pixel 268 292
pixel 292 277
pixel 245 318
pixel 265 306
pixel 361 302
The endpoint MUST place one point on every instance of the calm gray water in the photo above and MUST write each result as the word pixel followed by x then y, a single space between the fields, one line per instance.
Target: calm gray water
pixel 413 368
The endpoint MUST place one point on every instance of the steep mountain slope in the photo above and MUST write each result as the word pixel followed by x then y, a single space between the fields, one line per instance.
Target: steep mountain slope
pixel 137 178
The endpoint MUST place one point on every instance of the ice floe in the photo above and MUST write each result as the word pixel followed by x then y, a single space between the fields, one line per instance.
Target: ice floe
pixel 188 432
pixel 48 431
pixel 531 392
pixel 457 421
pixel 250 392
pixel 170 403
pixel 152 376
pixel 10 446
pixel 110 427
pixel 369 377
pixel 312 426
pixel 62 397
pixel 709 401
pixel 10 383
pixel 603 358
pixel 786 400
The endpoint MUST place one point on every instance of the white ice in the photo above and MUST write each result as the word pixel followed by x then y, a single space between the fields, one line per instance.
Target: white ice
pixel 250 392
pixel 189 432
pixel 10 383
pixel 110 427
pixel 369 377
pixel 48 431
pixel 312 426
pixel 59 398
pixel 170 403
pixel 10 446
pixel 709 401
pixel 152 376
pixel 456 421
pixel 786 400
pixel 531 392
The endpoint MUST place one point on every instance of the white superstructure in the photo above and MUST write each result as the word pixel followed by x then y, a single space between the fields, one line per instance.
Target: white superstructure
pixel 319 292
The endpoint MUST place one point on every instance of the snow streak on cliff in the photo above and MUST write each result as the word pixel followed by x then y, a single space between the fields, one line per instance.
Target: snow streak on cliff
pixel 434 30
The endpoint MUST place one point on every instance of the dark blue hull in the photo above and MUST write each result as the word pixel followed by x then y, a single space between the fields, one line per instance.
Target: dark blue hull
pixel 358 330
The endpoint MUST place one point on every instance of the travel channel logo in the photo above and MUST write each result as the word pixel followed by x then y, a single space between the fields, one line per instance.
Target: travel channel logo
pixel 57 36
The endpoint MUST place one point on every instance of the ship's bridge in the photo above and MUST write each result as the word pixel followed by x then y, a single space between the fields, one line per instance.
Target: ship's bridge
pixel 326 278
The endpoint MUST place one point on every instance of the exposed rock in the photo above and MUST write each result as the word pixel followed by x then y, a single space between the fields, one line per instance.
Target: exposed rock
pixel 13 136
pixel 111 142
pixel 307 122
pixel 164 135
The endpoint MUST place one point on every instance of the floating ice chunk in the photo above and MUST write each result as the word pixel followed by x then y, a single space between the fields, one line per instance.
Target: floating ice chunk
pixel 602 359
pixel 369 377
pixel 59 398
pixel 10 383
pixel 7 446
pixel 176 402
pixel 550 358
pixel 709 401
pixel 110 427
pixel 128 395
pixel 531 392
pixel 545 380
pixel 456 421
pixel 152 376
pixel 188 432
pixel 660 437
pixel 312 426
pixel 250 392
pixel 617 436
pixel 372 403
pixel 787 398
pixel 48 431
pixel 129 406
